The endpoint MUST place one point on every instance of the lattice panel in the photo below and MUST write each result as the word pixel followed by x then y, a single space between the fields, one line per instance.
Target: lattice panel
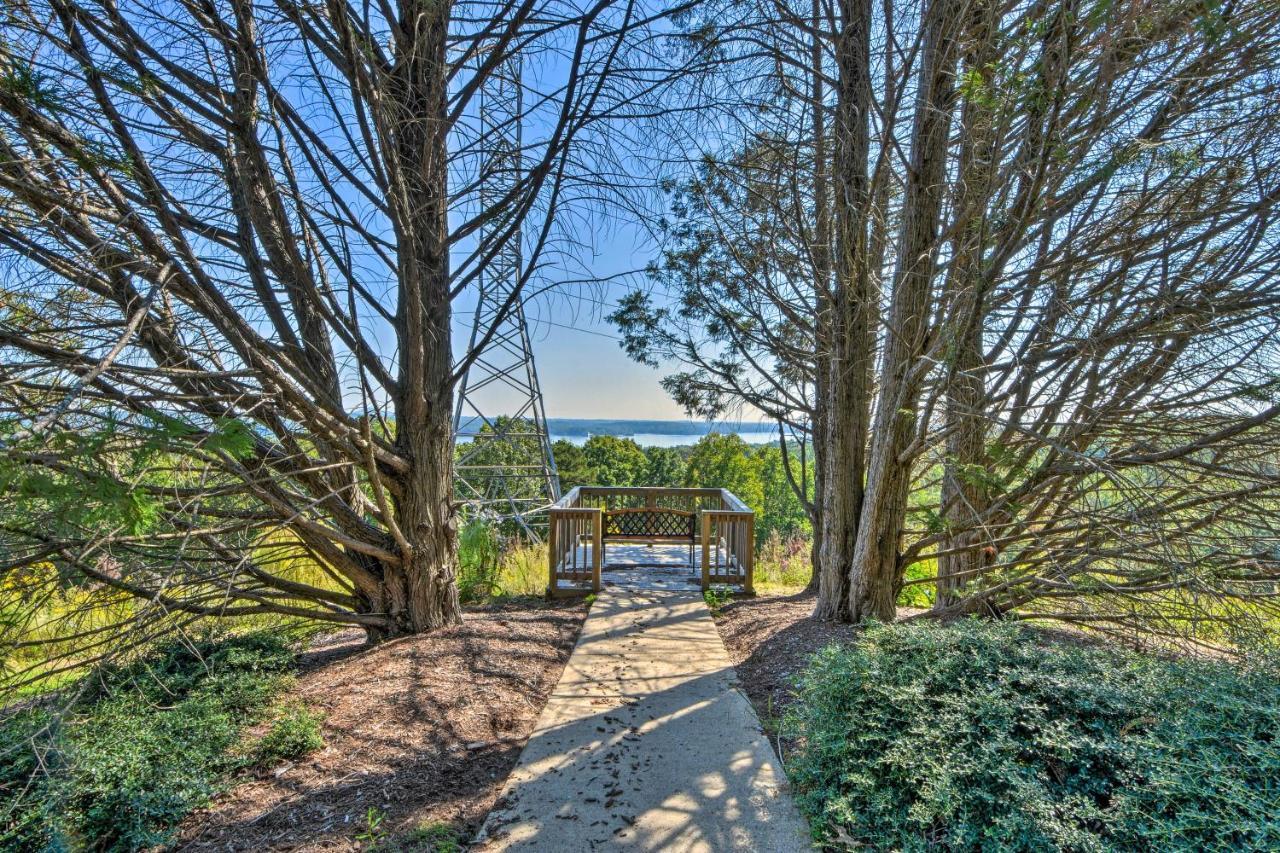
pixel 655 523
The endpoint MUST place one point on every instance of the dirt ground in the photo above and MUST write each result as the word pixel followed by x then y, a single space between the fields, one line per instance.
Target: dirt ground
pixel 423 730
pixel 770 639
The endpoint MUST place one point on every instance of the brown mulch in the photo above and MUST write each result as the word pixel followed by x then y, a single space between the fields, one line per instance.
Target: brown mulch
pixel 423 729
pixel 770 639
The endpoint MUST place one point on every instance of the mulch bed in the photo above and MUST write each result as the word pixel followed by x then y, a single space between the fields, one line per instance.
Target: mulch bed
pixel 424 729
pixel 770 639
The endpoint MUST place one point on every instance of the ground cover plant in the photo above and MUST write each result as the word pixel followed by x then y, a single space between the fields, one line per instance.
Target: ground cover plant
pixel 141 744
pixel 987 736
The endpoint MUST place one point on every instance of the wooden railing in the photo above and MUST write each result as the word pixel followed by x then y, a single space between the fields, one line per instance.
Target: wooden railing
pixel 728 544
pixel 725 529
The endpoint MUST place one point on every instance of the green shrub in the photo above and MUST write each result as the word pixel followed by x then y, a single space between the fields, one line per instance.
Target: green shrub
pixel 28 813
pixel 141 746
pixel 293 734
pixel 979 736
pixel 479 560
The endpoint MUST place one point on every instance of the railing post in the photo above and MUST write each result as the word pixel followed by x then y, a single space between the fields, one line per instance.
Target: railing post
pixel 750 546
pixel 706 549
pixel 597 547
pixel 553 522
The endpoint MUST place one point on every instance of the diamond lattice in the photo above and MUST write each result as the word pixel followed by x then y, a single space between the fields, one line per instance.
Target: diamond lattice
pixel 654 523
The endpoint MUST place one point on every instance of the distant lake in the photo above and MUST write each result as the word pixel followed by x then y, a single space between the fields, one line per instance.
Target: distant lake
pixel 654 439
pixel 646 433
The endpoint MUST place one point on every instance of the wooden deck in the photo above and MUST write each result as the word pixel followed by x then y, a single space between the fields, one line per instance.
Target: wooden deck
pixel 596 531
pixel 658 566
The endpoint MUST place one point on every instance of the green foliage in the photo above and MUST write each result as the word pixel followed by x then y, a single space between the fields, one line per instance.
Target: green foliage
pixel 479 550
pixel 374 832
pixel 98 484
pixel 230 436
pixel 28 820
pixel 24 81
pixel 518 447
pixel 781 509
pixel 142 745
pixel 492 566
pixel 293 734
pixel 614 461
pixel 522 569
pixel 756 475
pixel 783 564
pixel 717 597
pixel 94 497
pixel 726 462
pixel 979 736
pixel 664 466
pixel 919 594
pixel 571 464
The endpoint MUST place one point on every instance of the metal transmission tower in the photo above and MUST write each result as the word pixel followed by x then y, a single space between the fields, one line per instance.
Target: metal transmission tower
pixel 505 466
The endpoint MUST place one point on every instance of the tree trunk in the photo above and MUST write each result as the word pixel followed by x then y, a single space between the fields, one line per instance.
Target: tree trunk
pixel 965 496
pixel 428 578
pixel 821 254
pixel 848 376
pixel 422 592
pixel 875 576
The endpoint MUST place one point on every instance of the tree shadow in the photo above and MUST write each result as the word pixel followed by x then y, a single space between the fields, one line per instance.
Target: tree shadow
pixel 421 730
pixel 662 753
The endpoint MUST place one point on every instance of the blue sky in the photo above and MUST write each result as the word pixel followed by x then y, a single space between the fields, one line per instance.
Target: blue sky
pixel 583 371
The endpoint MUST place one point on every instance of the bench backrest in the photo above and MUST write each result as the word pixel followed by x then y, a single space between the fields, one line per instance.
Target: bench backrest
pixel 649 523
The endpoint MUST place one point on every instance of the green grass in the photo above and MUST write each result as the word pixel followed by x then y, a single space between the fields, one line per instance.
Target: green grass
pixel 430 838
pixel 523 570
pixel 492 567
pixel 983 736
pixel 783 566
pixel 142 744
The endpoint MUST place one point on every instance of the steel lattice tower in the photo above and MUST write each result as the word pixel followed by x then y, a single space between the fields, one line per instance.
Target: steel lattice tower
pixel 505 466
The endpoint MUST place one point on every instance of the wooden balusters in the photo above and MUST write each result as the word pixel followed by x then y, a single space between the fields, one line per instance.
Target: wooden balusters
pixel 726 528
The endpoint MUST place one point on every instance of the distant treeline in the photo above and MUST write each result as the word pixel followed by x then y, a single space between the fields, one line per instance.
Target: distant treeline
pixel 590 426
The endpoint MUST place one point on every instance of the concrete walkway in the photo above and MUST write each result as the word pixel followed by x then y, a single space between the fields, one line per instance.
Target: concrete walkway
pixel 646 743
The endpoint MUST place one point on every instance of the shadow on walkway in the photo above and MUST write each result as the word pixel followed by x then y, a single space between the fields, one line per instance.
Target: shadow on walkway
pixel 646 743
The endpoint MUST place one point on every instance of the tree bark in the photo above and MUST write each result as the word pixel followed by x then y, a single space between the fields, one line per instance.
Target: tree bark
pixel 875 578
pixel 965 496
pixel 821 255
pixel 421 593
pixel 848 378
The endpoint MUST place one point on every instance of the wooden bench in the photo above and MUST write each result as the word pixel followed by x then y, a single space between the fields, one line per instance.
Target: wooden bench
pixel 650 525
